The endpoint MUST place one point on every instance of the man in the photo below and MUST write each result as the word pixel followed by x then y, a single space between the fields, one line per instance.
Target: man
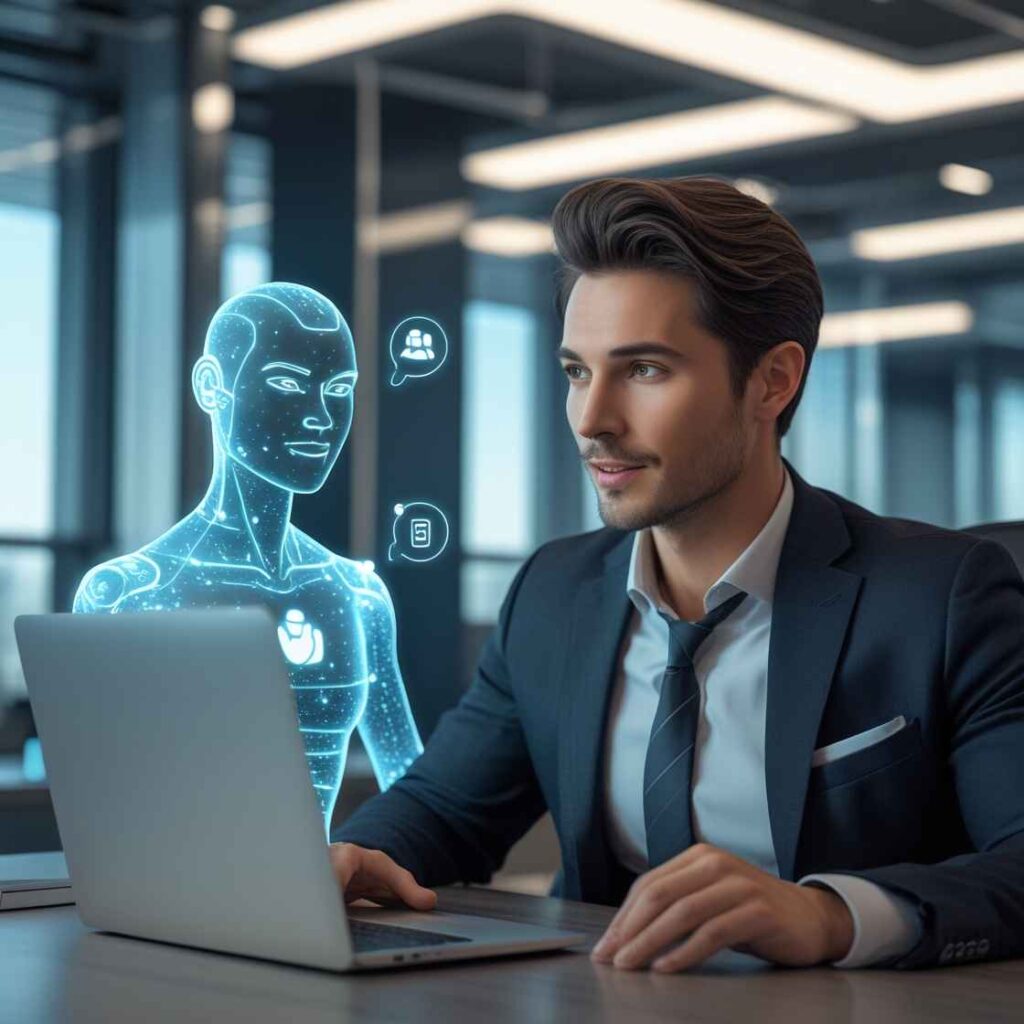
pixel 277 380
pixel 762 718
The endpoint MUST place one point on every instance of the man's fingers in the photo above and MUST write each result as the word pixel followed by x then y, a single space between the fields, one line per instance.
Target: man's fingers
pixel 648 899
pixel 740 925
pixel 684 916
pixel 407 889
pixel 344 861
pixel 372 874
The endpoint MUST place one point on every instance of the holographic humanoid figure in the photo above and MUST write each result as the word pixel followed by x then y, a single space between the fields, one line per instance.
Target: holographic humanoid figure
pixel 277 379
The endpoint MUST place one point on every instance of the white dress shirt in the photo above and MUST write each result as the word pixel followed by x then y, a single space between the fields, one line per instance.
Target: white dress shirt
pixel 729 792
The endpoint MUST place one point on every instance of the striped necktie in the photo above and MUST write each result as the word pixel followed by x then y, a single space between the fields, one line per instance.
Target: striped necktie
pixel 668 770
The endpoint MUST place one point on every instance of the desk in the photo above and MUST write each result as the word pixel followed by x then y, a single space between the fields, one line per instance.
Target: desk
pixel 53 969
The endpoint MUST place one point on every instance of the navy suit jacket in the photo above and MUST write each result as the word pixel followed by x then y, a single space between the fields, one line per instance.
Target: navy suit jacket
pixel 872 618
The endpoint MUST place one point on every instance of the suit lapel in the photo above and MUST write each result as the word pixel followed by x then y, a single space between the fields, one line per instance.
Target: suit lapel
pixel 600 615
pixel 811 612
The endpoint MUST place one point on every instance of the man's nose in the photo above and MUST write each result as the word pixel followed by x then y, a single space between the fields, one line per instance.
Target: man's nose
pixel 599 414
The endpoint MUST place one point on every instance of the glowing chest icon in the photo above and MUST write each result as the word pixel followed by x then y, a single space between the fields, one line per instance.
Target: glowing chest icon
pixel 301 641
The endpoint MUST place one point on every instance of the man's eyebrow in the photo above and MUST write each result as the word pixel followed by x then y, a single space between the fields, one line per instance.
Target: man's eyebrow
pixel 345 373
pixel 638 348
pixel 286 366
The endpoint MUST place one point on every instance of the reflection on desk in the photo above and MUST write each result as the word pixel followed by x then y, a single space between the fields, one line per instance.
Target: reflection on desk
pixel 53 969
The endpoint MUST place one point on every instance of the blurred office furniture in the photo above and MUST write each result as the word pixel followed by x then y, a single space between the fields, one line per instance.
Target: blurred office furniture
pixel 59 971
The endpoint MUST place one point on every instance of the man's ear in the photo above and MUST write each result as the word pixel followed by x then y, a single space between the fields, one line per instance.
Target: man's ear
pixel 782 369
pixel 208 385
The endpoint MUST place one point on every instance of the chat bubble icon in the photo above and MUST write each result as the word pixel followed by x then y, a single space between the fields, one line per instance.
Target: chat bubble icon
pixel 419 532
pixel 418 348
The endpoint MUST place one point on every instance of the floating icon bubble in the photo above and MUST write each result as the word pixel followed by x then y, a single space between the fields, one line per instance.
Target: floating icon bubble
pixel 419 533
pixel 418 348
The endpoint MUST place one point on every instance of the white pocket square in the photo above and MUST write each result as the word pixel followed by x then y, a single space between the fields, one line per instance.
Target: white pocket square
pixel 860 741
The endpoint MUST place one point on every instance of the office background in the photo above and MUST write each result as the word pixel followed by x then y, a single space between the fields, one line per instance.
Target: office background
pixel 403 157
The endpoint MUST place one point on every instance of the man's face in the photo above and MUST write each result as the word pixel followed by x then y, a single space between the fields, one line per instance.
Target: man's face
pixel 650 400
pixel 292 404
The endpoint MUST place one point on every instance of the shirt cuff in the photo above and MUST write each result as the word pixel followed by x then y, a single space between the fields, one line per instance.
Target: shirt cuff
pixel 885 925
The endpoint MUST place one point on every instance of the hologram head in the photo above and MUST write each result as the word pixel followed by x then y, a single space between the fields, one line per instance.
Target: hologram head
pixel 277 378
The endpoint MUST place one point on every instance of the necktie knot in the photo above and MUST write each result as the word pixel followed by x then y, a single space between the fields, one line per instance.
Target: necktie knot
pixel 685 638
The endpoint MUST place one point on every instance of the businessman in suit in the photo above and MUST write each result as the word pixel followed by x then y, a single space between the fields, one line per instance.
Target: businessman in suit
pixel 762 718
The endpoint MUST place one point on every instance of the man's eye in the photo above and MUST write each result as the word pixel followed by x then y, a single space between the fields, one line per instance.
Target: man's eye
pixel 339 389
pixel 288 384
pixel 574 372
pixel 646 371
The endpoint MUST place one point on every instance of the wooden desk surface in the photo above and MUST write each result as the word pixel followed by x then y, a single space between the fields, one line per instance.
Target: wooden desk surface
pixel 53 969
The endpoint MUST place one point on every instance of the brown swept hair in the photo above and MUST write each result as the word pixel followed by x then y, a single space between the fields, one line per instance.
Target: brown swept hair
pixel 755 282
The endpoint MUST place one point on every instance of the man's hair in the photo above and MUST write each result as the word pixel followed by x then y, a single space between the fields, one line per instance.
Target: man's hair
pixel 754 280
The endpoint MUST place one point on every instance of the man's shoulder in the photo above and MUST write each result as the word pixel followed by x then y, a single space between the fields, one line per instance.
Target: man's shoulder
pixel 904 546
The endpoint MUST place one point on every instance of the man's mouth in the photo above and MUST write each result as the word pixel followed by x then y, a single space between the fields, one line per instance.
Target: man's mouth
pixel 610 473
pixel 308 449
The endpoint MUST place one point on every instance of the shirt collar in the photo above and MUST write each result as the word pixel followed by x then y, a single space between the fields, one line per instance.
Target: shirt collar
pixel 753 572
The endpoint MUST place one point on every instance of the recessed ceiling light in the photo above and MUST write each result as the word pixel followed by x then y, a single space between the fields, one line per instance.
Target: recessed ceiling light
pixel 972 181
pixel 217 18
pixel 943 234
pixel 895 323
pixel 213 107
pixel 651 141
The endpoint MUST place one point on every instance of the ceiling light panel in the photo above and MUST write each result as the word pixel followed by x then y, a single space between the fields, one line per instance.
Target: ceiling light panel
pixel 652 141
pixel 895 323
pixel 509 236
pixel 942 235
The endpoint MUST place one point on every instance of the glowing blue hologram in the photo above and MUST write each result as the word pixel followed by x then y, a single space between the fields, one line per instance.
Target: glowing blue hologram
pixel 277 379
pixel 301 642
pixel 419 533
pixel 418 348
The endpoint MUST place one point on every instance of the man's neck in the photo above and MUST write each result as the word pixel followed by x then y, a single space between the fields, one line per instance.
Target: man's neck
pixel 690 556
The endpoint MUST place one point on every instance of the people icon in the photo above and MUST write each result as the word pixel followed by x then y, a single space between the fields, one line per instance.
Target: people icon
pixel 277 380
pixel 419 346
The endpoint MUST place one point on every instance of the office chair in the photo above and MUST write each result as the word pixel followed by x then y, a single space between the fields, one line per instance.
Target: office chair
pixel 1010 535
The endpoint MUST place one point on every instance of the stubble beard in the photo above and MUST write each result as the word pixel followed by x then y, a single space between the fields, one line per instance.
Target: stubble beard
pixel 714 468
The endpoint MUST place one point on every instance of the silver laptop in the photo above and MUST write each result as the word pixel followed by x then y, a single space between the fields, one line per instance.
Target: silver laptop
pixel 184 803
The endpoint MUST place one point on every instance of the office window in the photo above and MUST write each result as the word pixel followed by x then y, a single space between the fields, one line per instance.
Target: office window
pixel 818 440
pixel 1008 433
pixel 28 269
pixel 245 261
pixel 29 240
pixel 498 370
pixel 498 435
pixel 26 578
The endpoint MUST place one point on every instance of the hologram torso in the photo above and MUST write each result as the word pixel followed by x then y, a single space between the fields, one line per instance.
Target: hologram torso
pixel 277 379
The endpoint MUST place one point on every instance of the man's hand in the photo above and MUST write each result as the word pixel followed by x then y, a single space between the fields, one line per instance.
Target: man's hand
pixel 706 899
pixel 373 875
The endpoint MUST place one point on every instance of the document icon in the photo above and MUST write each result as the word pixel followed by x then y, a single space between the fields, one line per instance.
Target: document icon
pixel 419 530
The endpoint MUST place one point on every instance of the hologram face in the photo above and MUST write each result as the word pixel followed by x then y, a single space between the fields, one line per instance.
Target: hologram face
pixel 289 373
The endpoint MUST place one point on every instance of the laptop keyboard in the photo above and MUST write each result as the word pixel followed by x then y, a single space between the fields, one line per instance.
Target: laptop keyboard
pixel 367 937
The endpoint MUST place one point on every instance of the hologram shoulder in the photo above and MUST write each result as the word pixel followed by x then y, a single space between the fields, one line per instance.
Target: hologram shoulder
pixel 111 586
